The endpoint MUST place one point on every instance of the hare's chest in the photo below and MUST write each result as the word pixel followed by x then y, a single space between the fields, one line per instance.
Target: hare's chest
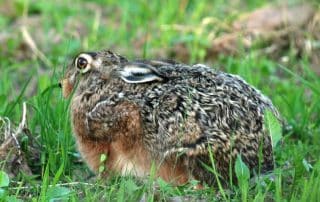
pixel 128 166
pixel 134 161
pixel 118 159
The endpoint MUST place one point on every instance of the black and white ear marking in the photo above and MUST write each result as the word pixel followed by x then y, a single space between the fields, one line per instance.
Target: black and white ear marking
pixel 139 73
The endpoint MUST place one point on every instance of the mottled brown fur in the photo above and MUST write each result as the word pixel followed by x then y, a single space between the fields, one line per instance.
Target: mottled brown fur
pixel 166 114
pixel 125 148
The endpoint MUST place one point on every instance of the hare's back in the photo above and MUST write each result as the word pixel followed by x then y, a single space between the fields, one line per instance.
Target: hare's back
pixel 218 99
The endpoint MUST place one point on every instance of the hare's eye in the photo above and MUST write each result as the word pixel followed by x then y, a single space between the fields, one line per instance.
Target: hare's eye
pixel 82 63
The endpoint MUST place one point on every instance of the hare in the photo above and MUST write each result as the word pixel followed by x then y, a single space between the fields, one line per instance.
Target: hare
pixel 165 115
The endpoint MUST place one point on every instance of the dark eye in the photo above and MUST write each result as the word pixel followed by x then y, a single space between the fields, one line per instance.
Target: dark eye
pixel 82 63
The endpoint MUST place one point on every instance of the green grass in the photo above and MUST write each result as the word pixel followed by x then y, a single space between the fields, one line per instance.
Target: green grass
pixel 61 29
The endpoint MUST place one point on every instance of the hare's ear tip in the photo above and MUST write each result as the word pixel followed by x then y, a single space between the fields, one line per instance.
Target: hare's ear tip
pixel 139 73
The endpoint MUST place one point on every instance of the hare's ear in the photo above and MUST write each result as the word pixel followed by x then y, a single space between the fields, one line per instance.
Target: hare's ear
pixel 139 73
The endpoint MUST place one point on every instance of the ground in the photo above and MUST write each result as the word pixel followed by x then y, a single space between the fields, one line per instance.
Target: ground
pixel 38 39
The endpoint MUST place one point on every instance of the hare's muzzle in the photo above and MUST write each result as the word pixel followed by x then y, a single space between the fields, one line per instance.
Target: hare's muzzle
pixel 66 87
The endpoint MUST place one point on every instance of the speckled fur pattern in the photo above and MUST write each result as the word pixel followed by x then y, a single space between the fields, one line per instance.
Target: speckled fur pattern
pixel 175 121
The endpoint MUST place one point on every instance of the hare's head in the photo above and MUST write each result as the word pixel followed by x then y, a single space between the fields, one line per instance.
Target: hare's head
pixel 109 65
pixel 87 63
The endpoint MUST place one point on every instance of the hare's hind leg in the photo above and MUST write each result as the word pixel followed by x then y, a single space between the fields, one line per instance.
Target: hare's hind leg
pixel 208 170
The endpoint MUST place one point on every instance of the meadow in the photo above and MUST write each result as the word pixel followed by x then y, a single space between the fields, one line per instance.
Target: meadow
pixel 39 38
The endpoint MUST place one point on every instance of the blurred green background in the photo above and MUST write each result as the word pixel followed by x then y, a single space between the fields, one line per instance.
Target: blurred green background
pixel 39 37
